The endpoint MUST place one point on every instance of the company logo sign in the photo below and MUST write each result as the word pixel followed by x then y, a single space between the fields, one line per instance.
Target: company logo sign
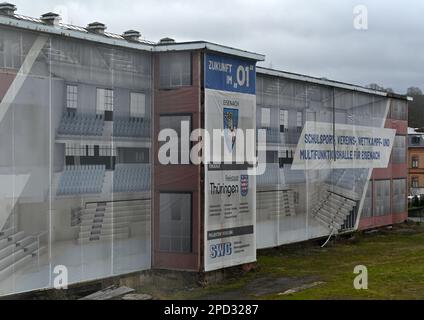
pixel 244 185
pixel 221 250
pixel 231 121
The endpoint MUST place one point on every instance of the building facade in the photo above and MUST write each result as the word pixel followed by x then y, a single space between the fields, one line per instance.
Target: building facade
pixel 416 162
pixel 82 114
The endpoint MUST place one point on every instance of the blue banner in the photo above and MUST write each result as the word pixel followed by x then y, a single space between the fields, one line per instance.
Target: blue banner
pixel 230 74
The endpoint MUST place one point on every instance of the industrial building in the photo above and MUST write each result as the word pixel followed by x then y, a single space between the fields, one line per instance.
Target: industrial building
pixel 81 184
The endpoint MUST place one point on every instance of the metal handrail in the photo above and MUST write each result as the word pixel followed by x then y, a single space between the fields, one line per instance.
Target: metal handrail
pixel 37 238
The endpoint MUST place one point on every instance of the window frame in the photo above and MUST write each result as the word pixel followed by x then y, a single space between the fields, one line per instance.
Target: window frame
pixel 136 115
pixel 399 110
pixel 394 155
pixel 397 197
pixel 190 193
pixel 415 140
pixel 74 95
pixel 173 115
pixel 415 163
pixel 111 103
pixel 368 201
pixel 265 115
pixel 169 85
pixel 415 182
pixel 283 120
pixel 383 200
pixel 299 121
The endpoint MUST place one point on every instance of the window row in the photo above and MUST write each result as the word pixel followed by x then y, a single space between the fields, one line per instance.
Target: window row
pixel 14 47
pixel 390 198
pixel 112 59
pixel 105 101
pixel 76 150
pixel 283 119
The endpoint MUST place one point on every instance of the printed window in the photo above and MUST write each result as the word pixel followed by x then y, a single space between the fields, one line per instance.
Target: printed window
pixel 284 121
pixel 71 97
pixel 266 117
pixel 105 103
pixel 104 100
pixel 175 222
pixel 175 70
pixel 174 122
pixel 399 150
pixel 138 105
pixel 10 50
pixel 382 201
pixel 367 208
pixel 299 121
pixel 272 157
pixel 399 196
pixel 399 110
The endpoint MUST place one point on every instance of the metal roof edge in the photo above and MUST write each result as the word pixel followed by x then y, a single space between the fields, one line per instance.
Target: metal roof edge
pixel 330 83
pixel 57 30
pixel 200 45
pixel 233 51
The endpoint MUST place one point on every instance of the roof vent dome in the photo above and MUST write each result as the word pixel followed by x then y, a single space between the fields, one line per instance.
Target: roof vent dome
pixel 166 41
pixel 132 35
pixel 51 18
pixel 7 9
pixel 96 27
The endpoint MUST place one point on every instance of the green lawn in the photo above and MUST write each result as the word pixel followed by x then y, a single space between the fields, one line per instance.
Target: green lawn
pixel 394 258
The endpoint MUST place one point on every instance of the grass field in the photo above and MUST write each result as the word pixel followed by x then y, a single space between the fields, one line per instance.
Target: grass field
pixel 394 258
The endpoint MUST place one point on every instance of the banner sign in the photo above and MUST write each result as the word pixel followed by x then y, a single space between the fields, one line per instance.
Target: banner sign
pixel 230 74
pixel 344 147
pixel 230 193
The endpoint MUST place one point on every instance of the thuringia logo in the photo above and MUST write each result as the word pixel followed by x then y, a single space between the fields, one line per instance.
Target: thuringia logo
pixel 231 120
pixel 244 184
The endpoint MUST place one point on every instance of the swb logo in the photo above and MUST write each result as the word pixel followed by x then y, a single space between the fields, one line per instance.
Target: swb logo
pixel 221 250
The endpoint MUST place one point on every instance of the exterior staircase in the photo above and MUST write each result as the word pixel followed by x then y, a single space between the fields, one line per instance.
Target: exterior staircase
pixel 17 250
pixel 105 221
pixel 276 203
pixel 333 211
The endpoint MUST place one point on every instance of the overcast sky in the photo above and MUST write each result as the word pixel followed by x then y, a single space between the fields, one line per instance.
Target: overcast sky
pixel 314 37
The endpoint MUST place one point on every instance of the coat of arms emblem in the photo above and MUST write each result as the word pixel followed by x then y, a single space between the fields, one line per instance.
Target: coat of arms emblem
pixel 231 121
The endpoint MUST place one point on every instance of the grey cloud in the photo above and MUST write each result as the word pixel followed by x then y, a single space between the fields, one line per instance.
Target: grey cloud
pixel 314 37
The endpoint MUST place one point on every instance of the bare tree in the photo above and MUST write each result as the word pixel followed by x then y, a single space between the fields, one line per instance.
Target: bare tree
pixel 414 91
pixel 375 86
